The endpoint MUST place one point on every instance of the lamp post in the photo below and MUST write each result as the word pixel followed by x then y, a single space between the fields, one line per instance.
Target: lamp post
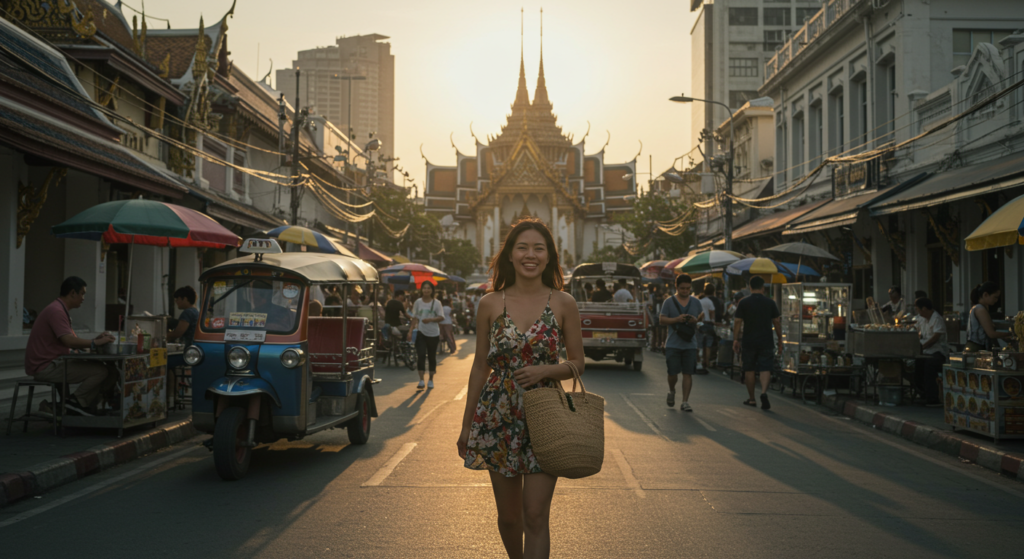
pixel 371 170
pixel 727 203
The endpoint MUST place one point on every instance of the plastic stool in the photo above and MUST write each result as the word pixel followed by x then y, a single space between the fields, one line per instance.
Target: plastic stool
pixel 32 383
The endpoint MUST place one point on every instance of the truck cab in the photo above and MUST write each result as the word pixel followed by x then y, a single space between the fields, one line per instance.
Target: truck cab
pixel 615 329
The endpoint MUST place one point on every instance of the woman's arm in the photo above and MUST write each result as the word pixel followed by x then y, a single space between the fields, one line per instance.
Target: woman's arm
pixel 178 331
pixel 478 373
pixel 985 319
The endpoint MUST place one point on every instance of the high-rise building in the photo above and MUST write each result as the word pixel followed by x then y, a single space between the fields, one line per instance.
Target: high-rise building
pixel 324 86
pixel 730 42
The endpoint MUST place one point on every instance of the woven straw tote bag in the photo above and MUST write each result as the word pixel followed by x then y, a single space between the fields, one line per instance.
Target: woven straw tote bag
pixel 566 429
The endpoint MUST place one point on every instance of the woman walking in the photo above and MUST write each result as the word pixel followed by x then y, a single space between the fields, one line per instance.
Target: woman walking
pixel 426 315
pixel 447 327
pixel 517 355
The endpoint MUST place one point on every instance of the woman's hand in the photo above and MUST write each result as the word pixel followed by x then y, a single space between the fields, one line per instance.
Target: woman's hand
pixel 529 376
pixel 463 442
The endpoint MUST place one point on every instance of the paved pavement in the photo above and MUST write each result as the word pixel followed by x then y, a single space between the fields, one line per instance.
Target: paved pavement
pixel 724 481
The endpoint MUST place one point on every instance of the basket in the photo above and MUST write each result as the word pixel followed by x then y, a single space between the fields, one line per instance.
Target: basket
pixel 566 429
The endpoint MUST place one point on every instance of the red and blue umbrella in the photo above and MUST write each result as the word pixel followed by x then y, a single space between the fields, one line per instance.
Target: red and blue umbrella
pixel 420 273
pixel 147 222
pixel 304 236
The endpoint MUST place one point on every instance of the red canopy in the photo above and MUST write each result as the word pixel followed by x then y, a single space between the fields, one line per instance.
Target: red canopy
pixel 371 255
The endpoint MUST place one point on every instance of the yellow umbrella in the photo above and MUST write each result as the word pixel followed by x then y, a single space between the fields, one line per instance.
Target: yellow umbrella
pixel 398 258
pixel 1001 229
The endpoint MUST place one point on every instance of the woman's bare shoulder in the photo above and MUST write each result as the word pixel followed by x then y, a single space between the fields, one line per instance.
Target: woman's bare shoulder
pixel 563 300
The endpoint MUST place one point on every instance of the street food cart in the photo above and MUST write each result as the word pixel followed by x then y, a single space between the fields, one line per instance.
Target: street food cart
pixel 983 392
pixel 814 327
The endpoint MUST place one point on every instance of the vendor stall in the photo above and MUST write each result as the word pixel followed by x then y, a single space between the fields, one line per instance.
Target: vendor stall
pixel 984 393
pixel 814 320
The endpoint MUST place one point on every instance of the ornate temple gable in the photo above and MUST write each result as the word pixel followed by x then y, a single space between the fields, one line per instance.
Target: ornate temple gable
pixel 57 20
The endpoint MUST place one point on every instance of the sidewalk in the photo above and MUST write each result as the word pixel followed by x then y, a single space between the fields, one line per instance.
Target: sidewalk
pixel 35 462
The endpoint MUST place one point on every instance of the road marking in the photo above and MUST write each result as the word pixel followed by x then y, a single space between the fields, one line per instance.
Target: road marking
pixel 424 418
pixel 462 393
pixel 730 413
pixel 627 473
pixel 644 417
pixel 705 424
pixel 390 465
pixel 635 394
pixel 93 488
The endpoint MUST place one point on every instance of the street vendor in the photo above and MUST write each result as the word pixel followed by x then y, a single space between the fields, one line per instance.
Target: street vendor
pixel 52 338
pixel 981 331
pixel 932 329
pixel 185 331
pixel 896 305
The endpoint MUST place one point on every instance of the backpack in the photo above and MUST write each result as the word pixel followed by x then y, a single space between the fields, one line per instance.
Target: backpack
pixel 684 330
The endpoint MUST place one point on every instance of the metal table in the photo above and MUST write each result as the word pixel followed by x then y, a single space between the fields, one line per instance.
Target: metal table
pixel 143 392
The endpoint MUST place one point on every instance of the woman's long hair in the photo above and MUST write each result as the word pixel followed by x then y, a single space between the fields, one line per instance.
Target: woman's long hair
pixel 503 273
pixel 983 289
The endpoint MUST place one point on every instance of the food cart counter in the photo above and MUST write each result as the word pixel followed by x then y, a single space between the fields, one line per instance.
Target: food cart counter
pixel 984 393
pixel 814 323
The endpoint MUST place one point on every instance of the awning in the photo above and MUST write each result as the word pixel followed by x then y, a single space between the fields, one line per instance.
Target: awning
pixel 371 255
pixel 957 184
pixel 835 213
pixel 773 223
pixel 222 207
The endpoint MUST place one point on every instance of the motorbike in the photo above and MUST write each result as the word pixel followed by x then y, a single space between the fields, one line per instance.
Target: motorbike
pixel 263 369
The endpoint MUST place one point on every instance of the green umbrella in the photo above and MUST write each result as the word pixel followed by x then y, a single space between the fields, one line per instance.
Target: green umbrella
pixel 708 261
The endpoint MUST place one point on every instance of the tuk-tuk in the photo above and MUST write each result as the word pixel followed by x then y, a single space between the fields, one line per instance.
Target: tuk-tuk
pixel 611 329
pixel 263 369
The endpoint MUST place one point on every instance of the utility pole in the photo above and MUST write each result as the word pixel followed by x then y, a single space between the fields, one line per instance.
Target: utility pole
pixel 727 203
pixel 296 125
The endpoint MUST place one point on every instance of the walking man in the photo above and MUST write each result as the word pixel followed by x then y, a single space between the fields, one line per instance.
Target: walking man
pixel 756 315
pixel 681 313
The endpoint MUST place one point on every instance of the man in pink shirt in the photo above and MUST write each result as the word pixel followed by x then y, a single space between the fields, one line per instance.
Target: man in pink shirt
pixel 52 337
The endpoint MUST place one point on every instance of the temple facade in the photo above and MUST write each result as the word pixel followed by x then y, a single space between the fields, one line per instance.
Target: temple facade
pixel 531 168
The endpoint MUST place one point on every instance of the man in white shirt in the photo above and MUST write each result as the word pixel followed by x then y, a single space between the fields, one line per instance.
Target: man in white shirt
pixel 623 295
pixel 706 332
pixel 934 347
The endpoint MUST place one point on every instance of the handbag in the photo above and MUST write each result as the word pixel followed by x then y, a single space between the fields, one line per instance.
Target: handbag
pixel 684 330
pixel 566 429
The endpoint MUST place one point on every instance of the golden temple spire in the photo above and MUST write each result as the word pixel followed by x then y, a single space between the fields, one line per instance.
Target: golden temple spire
pixel 540 95
pixel 522 95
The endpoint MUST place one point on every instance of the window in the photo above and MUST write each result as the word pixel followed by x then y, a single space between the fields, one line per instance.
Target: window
pixel 798 146
pixel 862 98
pixel 780 142
pixel 964 41
pixel 774 39
pixel 816 131
pixel 777 16
pixel 238 177
pixel 803 15
pixel 743 67
pixel 742 16
pixel 837 122
pixel 738 98
pixel 891 85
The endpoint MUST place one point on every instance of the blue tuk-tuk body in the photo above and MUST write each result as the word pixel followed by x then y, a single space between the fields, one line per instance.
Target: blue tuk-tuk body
pixel 263 369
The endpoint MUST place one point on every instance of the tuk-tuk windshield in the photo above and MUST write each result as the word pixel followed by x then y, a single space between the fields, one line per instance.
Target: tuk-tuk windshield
pixel 252 303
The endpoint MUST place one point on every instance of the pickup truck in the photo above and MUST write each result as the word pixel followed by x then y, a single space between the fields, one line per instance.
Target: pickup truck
pixel 611 329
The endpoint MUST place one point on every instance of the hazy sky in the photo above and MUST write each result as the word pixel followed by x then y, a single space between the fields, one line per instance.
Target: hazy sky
pixel 611 63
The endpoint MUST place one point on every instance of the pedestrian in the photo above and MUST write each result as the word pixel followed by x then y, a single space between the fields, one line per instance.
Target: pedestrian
pixel 623 295
pixel 52 338
pixel 588 290
pixel 707 327
pixel 680 313
pixel 601 294
pixel 426 317
pixel 981 331
pixel 394 311
pixel 447 329
pixel 514 356
pixel 653 302
pixel 933 346
pixel 756 315
pixel 896 306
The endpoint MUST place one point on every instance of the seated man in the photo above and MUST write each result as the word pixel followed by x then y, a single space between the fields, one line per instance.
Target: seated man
pixel 52 337
pixel 279 319
pixel 601 294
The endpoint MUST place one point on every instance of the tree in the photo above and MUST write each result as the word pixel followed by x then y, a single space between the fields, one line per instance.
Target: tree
pixel 661 225
pixel 610 253
pixel 460 257
pixel 395 211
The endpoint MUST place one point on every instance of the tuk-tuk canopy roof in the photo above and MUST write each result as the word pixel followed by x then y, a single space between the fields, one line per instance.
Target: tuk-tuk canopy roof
pixel 606 269
pixel 315 267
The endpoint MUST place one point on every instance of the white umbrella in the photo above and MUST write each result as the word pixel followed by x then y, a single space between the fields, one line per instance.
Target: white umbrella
pixel 802 249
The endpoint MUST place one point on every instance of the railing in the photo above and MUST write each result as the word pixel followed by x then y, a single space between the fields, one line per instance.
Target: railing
pixel 828 15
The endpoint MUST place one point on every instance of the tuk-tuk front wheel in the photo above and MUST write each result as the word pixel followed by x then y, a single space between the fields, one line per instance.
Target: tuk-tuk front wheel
pixel 231 454
pixel 359 426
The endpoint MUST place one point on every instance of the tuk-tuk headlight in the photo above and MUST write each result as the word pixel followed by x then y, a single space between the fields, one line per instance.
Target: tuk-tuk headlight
pixel 192 356
pixel 238 357
pixel 292 358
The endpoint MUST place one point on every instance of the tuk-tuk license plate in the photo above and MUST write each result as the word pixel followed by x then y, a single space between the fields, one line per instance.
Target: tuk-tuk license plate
pixel 606 334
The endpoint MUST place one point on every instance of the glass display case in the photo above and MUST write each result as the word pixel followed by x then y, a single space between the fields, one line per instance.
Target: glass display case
pixel 814 322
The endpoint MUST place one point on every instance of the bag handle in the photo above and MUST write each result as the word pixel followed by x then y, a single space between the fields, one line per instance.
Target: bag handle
pixel 576 378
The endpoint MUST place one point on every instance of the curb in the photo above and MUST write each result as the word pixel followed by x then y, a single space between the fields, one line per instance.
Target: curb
pixel 49 475
pixel 946 442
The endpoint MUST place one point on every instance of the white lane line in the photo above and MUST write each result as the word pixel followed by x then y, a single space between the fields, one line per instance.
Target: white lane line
pixel 705 424
pixel 635 394
pixel 425 416
pixel 390 465
pixel 462 393
pixel 96 487
pixel 730 413
pixel 649 423
pixel 627 473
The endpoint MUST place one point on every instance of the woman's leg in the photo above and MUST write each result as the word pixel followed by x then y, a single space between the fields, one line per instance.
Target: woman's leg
pixel 432 354
pixel 537 492
pixel 450 332
pixel 508 496
pixel 421 353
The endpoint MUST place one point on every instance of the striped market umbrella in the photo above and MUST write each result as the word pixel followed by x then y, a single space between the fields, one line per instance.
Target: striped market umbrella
pixel 668 272
pixel 420 273
pixel 304 236
pixel 652 269
pixel 1005 227
pixel 758 266
pixel 707 261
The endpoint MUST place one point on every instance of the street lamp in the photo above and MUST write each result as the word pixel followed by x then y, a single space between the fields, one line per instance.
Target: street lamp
pixel 727 203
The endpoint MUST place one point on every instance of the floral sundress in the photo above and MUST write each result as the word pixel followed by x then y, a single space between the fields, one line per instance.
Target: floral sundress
pixel 498 438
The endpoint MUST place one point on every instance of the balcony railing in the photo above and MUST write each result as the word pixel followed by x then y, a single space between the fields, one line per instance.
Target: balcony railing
pixel 830 12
